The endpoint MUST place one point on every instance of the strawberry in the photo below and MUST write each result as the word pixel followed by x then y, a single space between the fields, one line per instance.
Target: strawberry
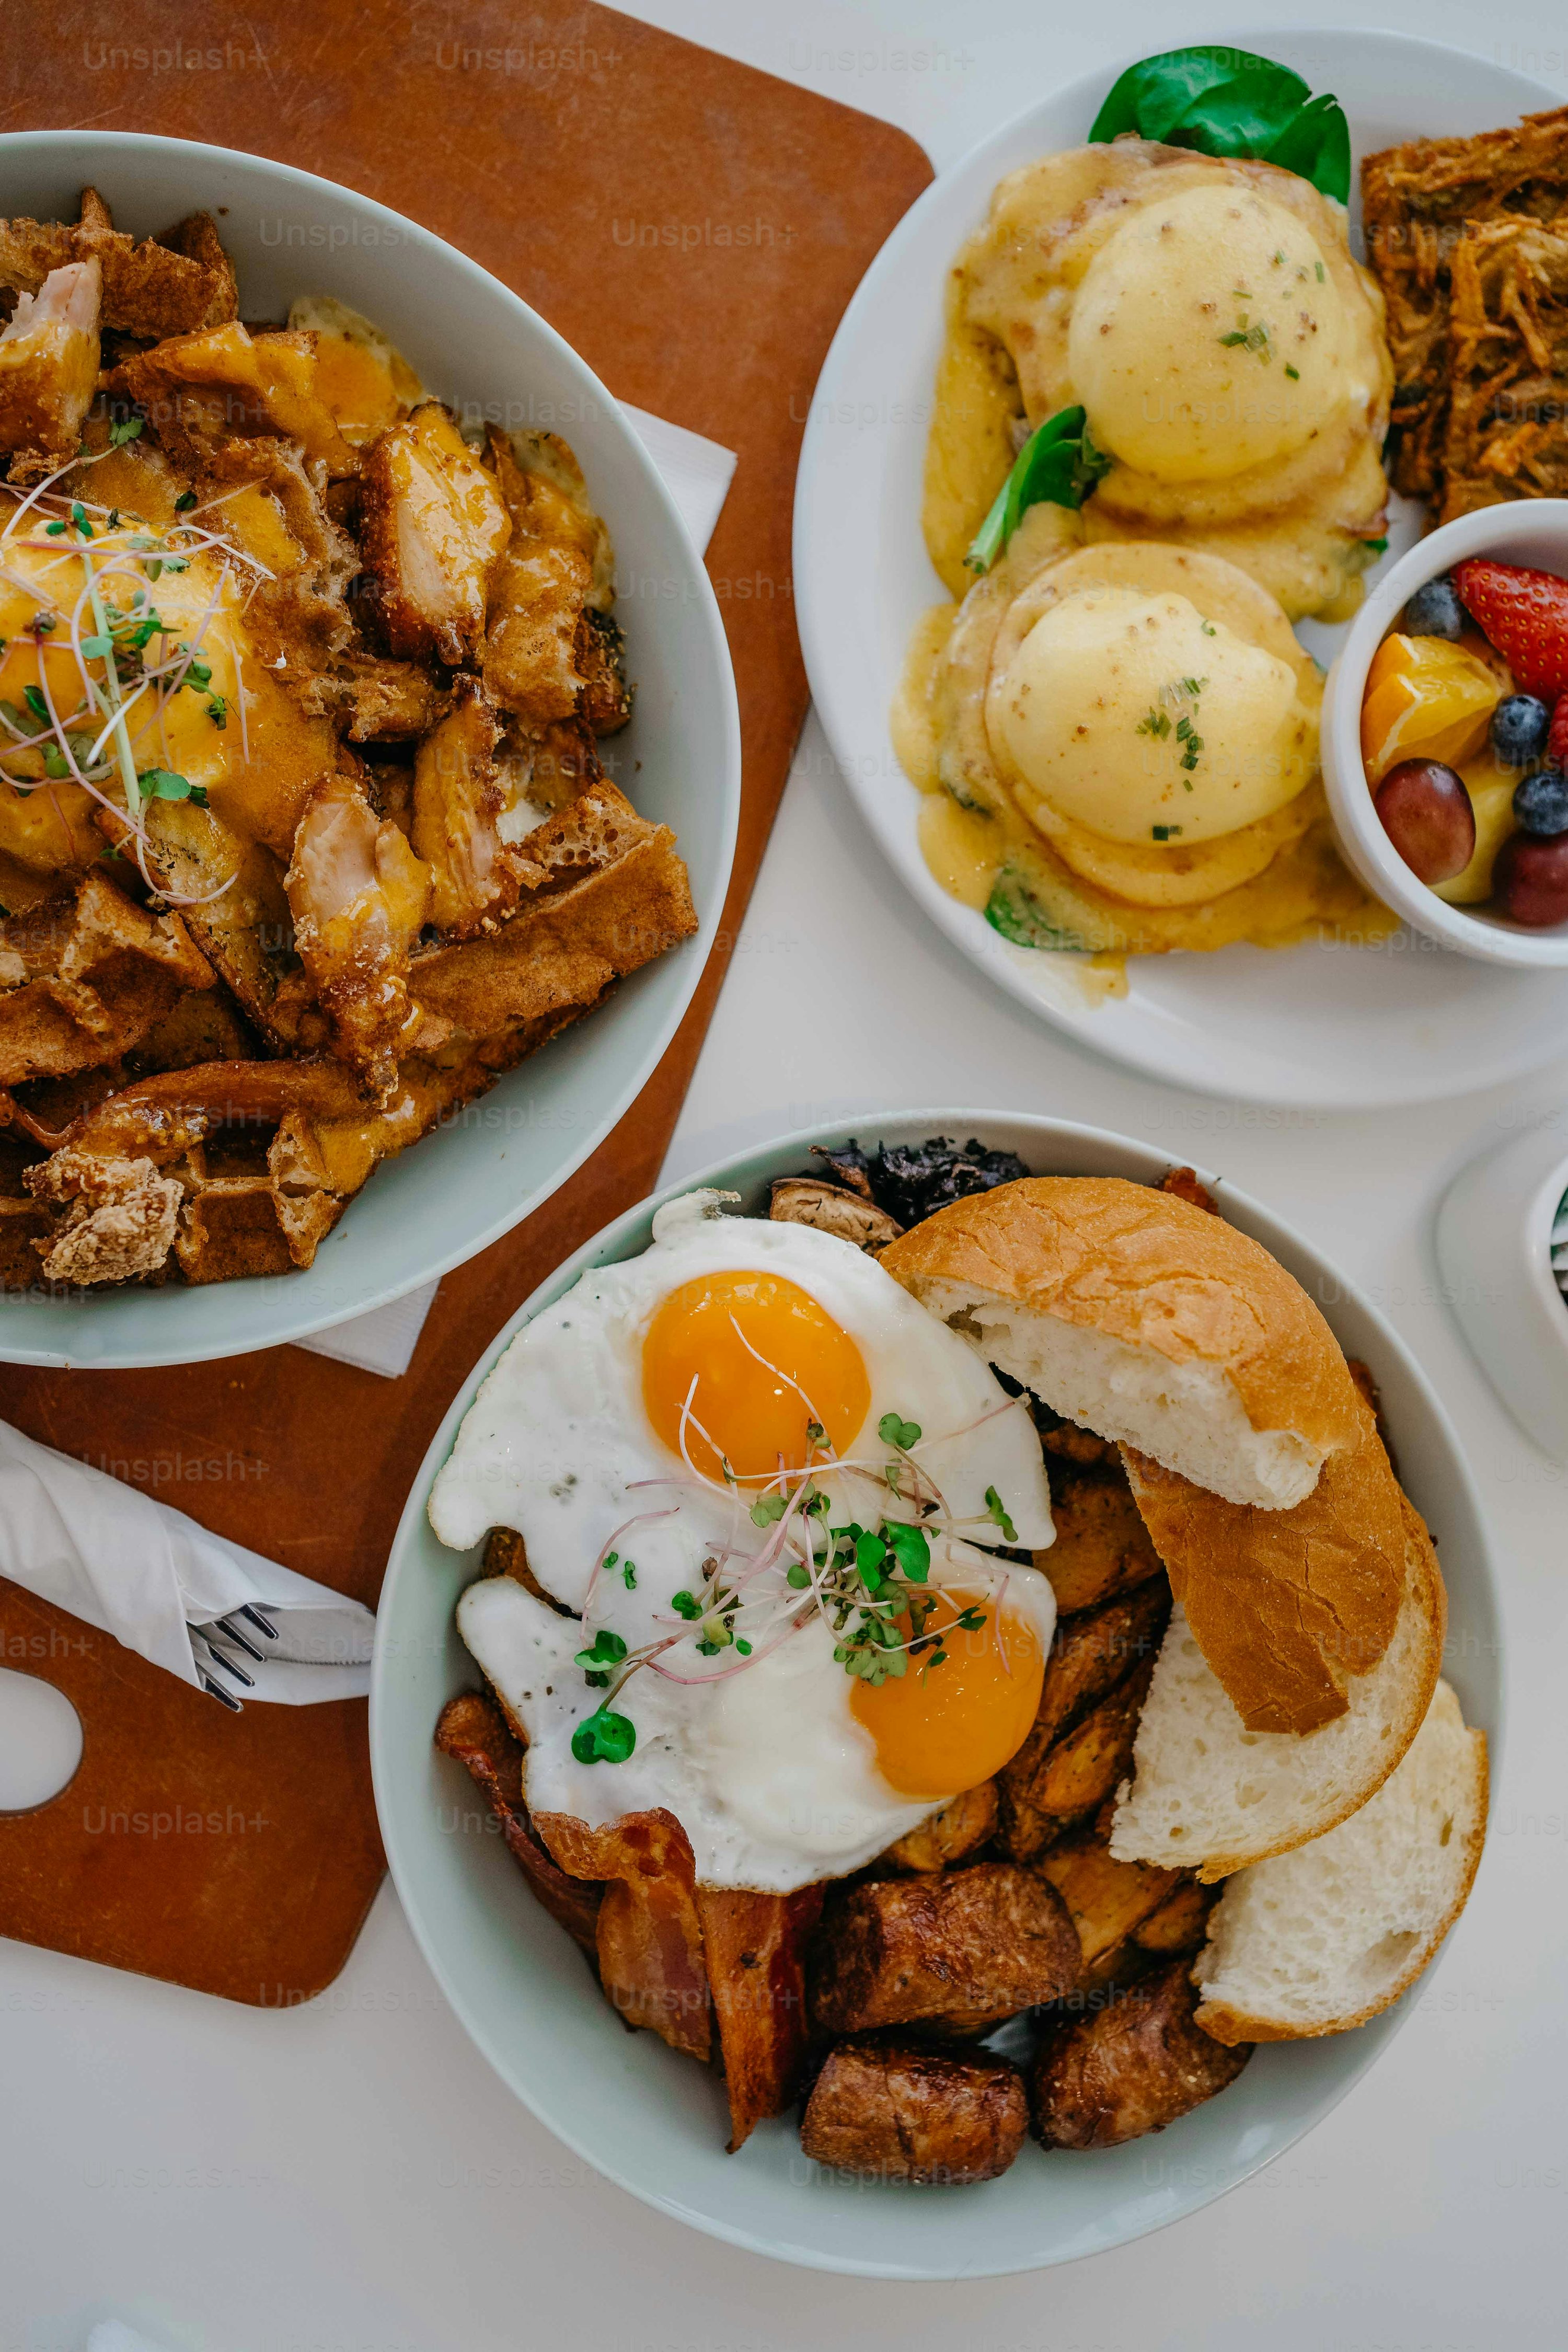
pixel 1557 740
pixel 1525 614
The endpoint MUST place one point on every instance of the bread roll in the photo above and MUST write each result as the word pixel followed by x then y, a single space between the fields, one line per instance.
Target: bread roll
pixel 1327 1937
pixel 1148 1320
pixel 1285 1606
pixel 1208 1794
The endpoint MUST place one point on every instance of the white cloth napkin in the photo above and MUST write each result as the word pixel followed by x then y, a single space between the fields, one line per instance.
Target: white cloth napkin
pixel 697 474
pixel 147 1574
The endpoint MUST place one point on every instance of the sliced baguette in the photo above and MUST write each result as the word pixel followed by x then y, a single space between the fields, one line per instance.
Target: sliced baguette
pixel 1147 1320
pixel 1321 1939
pixel 1208 1794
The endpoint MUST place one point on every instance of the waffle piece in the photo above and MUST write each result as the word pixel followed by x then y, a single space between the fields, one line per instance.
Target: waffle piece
pixel 86 975
pixel 1423 203
pixel 614 895
pixel 166 285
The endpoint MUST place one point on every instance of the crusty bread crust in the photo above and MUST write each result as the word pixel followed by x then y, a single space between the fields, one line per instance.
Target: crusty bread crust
pixel 1145 1269
pixel 1223 2023
pixel 1285 1605
pixel 1424 1593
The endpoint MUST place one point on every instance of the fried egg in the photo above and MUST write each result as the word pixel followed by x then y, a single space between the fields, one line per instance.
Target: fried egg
pixel 655 1437
pixel 1227 350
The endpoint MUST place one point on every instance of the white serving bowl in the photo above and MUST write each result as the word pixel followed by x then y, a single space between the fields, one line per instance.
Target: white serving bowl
pixel 478 345
pixel 656 2123
pixel 1494 1249
pixel 1532 531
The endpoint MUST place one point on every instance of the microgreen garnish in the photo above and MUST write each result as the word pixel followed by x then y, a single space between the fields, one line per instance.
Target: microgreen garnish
pixel 871 1579
pixel 607 1650
pixel 996 1509
pixel 604 1739
pixel 1059 465
pixel 93 731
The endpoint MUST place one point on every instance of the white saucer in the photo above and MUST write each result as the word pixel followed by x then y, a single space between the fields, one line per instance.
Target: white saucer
pixel 1312 1027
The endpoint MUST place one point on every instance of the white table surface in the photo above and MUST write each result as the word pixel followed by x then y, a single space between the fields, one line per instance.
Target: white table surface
pixel 350 2177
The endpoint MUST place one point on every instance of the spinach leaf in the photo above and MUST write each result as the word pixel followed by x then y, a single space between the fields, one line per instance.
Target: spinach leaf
pixel 1223 101
pixel 1316 145
pixel 1057 464
pixel 1014 912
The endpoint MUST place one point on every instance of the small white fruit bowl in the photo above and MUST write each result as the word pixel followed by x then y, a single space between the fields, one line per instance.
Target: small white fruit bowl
pixel 1494 1249
pixel 1532 531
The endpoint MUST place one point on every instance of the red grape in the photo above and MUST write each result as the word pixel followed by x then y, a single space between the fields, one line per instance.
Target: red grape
pixel 1531 879
pixel 1427 813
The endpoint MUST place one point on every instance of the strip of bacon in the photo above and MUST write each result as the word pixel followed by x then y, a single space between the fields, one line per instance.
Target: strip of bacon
pixel 754 1947
pixel 650 1926
pixel 474 1731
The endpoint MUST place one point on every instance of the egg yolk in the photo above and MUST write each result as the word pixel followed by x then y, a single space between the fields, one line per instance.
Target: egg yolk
pixel 748 1360
pixel 940 1729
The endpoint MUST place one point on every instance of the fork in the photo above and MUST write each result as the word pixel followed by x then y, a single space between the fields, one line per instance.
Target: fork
pixel 226 1628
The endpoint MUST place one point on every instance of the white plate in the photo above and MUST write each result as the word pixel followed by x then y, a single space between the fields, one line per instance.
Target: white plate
pixel 473 343
pixel 656 2124
pixel 1317 1025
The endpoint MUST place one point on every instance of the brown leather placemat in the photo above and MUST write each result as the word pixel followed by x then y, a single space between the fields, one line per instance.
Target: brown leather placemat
pixel 239 1854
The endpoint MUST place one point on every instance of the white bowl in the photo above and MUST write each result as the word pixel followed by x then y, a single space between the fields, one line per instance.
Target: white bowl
pixel 1529 531
pixel 654 2121
pixel 1325 1025
pixel 1494 1250
pixel 473 343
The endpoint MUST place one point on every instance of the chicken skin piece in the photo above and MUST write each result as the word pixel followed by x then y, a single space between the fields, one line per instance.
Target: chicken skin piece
pixel 433 526
pixel 359 897
pixel 48 368
pixel 460 820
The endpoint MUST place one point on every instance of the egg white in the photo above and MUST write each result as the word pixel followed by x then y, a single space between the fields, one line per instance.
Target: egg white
pixel 766 1768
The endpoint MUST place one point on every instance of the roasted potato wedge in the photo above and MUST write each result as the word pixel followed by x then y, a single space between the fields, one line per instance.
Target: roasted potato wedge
pixel 982 1942
pixel 1131 2067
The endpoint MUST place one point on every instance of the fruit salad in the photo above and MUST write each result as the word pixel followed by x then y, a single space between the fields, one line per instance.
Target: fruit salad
pixel 1464 735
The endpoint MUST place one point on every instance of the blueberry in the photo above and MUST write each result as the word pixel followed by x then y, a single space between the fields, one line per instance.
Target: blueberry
pixel 1520 728
pixel 1435 611
pixel 1541 803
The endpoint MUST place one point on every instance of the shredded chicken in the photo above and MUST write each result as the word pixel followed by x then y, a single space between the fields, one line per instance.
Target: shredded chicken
pixel 48 368
pixel 1469 238
pixel 359 896
pixel 432 526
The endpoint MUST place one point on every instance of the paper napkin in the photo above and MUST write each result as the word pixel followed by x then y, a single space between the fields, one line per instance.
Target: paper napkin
pixel 147 1574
